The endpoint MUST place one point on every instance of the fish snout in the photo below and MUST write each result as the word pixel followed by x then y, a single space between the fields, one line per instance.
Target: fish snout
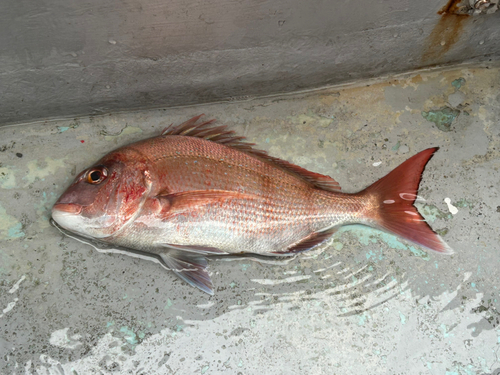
pixel 67 215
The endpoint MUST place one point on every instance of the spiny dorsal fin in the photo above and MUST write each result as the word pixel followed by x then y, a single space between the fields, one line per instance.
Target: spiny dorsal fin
pixel 220 134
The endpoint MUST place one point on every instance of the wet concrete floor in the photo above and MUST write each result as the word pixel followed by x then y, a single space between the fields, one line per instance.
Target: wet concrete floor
pixel 366 303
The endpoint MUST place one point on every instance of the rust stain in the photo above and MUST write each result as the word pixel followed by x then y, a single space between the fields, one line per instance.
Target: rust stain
pixel 446 32
pixel 453 7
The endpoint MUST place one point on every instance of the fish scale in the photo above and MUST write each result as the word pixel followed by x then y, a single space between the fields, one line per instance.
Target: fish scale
pixel 199 190
pixel 219 163
pixel 234 226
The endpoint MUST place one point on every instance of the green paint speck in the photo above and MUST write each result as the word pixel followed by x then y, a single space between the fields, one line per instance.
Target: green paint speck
pixel 10 227
pixel 458 83
pixel 373 255
pixel 464 203
pixel 205 369
pixel 442 232
pixel 443 117
pixel 338 245
pixel 244 267
pixel 169 303
pixel 15 231
pixel 62 129
pixel 402 317
pixel 419 253
pixel 362 319
pixel 396 146
pixel 444 329
pixel 431 212
pixel 130 336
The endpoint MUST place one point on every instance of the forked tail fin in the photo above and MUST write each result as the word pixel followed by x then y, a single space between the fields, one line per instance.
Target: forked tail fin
pixel 395 194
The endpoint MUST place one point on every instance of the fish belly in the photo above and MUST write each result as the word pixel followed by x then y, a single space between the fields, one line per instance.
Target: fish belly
pixel 242 226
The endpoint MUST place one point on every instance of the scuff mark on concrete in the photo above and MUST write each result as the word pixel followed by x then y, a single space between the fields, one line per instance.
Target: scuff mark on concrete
pixel 9 307
pixel 16 285
pixel 128 130
pixel 312 119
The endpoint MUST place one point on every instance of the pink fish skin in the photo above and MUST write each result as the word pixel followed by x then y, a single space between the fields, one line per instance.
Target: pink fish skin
pixel 198 190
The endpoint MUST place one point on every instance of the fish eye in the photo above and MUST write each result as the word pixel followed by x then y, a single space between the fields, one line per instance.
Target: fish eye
pixel 97 175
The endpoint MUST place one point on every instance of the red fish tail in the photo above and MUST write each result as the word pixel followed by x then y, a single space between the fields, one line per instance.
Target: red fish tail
pixel 392 199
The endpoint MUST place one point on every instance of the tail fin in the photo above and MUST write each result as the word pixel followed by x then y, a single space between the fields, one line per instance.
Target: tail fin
pixel 394 212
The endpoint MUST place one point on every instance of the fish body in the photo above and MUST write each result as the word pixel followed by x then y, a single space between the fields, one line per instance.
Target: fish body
pixel 199 190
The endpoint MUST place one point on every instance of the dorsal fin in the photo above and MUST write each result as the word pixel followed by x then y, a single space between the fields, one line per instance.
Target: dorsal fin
pixel 221 135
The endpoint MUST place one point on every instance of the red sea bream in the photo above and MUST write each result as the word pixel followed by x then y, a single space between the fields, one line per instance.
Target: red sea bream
pixel 199 190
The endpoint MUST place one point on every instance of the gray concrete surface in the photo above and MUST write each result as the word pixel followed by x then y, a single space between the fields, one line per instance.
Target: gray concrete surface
pixel 367 303
pixel 82 57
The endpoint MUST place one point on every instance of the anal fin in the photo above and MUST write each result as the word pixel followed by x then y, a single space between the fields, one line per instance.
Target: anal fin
pixel 313 240
pixel 192 268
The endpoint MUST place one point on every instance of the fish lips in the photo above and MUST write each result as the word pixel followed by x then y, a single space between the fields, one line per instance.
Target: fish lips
pixel 67 208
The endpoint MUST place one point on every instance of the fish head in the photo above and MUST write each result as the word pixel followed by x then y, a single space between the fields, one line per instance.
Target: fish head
pixel 104 198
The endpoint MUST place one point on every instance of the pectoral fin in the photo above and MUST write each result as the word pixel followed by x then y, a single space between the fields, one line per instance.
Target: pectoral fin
pixel 191 200
pixel 190 267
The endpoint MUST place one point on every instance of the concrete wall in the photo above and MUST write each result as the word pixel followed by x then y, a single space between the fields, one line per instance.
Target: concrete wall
pixel 70 57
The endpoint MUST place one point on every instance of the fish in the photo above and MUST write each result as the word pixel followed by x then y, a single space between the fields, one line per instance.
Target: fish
pixel 199 190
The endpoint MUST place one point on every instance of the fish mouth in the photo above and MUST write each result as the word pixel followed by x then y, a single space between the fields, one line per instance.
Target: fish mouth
pixel 67 208
pixel 67 215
